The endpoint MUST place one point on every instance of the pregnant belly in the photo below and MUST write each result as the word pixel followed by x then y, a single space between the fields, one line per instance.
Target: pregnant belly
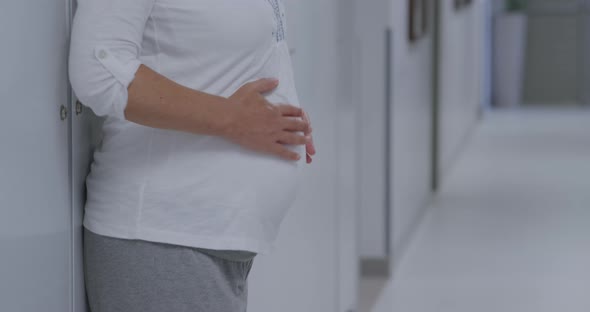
pixel 217 184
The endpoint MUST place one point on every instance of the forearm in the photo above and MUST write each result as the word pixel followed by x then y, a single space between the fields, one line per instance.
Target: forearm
pixel 158 102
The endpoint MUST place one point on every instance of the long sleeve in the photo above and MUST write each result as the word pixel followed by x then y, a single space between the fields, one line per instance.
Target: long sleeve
pixel 104 52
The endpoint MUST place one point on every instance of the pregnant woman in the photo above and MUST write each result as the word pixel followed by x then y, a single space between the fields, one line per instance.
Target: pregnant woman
pixel 201 149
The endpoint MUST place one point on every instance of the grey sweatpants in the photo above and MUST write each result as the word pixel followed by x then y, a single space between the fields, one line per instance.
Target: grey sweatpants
pixel 139 276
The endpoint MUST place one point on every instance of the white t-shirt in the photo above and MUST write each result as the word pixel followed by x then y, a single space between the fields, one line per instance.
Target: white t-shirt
pixel 170 186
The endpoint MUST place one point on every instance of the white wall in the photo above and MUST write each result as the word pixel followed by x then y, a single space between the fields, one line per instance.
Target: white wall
pixel 35 203
pixel 462 66
pixel 347 156
pixel 412 118
pixel 371 25
pixel 460 87
pixel 303 274
pixel 412 126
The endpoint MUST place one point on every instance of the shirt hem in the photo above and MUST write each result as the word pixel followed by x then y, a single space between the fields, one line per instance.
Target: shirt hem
pixel 182 239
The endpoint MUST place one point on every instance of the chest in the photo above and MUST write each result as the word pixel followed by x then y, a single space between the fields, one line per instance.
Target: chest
pixel 220 24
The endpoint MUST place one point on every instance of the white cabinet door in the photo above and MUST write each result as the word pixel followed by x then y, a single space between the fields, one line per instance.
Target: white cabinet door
pixel 86 134
pixel 346 118
pixel 372 20
pixel 35 215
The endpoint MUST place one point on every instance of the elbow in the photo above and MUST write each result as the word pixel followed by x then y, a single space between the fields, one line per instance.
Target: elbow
pixel 96 88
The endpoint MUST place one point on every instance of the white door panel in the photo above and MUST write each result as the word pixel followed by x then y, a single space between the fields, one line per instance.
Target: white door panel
pixel 86 134
pixel 372 20
pixel 347 154
pixel 34 176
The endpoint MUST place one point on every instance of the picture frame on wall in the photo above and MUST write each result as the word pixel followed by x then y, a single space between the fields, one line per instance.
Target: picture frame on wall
pixel 426 20
pixel 460 4
pixel 419 12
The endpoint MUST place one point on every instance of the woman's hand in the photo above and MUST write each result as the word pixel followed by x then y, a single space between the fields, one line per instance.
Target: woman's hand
pixel 309 146
pixel 258 125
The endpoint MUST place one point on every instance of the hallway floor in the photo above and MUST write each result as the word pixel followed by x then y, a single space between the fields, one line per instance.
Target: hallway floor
pixel 510 230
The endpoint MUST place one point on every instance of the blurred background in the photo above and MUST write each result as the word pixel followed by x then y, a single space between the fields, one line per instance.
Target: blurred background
pixel 452 173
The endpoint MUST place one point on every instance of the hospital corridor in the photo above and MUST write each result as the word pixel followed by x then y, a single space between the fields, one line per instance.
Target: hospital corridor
pixel 295 156
pixel 509 230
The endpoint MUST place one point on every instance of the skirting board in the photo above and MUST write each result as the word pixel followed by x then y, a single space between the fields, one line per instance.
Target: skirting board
pixel 376 267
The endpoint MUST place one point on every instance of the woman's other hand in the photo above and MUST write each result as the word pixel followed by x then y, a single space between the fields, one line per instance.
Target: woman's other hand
pixel 261 126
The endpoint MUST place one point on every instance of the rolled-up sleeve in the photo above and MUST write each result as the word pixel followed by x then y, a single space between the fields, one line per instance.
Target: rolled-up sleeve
pixel 104 52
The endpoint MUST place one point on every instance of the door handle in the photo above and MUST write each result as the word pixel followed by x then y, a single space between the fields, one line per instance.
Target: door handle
pixel 63 112
pixel 79 108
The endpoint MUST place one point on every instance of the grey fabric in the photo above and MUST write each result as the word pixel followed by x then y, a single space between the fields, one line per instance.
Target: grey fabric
pixel 232 255
pixel 132 275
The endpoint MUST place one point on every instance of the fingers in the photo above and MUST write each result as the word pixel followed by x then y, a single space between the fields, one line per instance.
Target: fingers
pixel 289 110
pixel 292 139
pixel 296 125
pixel 310 146
pixel 284 152
pixel 263 85
pixel 306 119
